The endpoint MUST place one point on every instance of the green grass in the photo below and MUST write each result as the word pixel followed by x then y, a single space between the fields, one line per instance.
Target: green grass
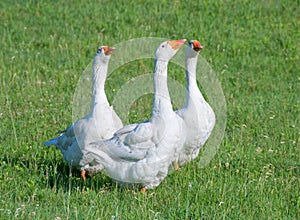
pixel 253 47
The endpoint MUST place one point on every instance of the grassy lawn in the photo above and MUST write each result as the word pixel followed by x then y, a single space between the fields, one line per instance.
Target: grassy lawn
pixel 253 48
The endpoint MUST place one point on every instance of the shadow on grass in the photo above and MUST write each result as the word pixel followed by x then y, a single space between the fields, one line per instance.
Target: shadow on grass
pixel 60 176
pixel 56 175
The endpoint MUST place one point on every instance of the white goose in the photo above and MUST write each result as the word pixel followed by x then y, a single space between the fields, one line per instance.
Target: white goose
pixel 142 153
pixel 198 116
pixel 100 123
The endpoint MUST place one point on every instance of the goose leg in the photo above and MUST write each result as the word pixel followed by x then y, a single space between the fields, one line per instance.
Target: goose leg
pixel 82 174
pixel 176 165
pixel 143 190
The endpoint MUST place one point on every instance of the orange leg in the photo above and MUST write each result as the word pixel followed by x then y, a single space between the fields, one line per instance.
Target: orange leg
pixel 176 166
pixel 143 190
pixel 83 172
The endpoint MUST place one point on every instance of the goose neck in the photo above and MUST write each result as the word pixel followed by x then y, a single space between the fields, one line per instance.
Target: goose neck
pixel 162 101
pixel 98 92
pixel 191 64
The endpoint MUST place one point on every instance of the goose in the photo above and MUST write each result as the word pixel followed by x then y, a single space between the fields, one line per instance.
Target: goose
pixel 142 153
pixel 198 116
pixel 101 122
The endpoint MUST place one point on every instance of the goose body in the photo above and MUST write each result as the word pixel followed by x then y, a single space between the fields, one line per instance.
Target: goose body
pixel 100 123
pixel 142 153
pixel 198 116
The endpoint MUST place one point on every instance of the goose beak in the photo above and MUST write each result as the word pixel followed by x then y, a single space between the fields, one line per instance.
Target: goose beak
pixel 108 50
pixel 197 46
pixel 176 44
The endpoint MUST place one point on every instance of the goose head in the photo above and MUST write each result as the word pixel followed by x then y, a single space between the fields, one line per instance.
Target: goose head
pixel 103 53
pixel 168 49
pixel 193 48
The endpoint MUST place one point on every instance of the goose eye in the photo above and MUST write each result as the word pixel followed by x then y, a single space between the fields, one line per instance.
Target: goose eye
pixel 163 46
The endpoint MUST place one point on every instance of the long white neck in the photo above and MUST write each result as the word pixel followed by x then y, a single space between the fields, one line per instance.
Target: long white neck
pixel 192 90
pixel 162 100
pixel 98 93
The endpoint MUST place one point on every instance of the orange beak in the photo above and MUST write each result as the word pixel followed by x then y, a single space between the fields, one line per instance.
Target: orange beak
pixel 197 46
pixel 108 50
pixel 176 44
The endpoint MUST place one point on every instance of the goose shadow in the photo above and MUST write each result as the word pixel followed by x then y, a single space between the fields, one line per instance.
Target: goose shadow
pixel 58 176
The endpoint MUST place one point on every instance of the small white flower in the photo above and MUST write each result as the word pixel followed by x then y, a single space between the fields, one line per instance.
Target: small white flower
pixel 258 150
